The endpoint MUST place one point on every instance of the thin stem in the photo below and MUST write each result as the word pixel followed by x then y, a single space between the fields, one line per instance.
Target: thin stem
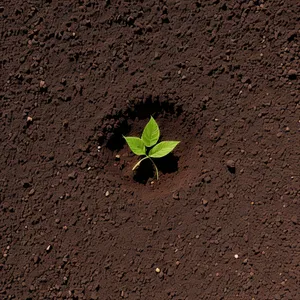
pixel 154 167
pixel 139 162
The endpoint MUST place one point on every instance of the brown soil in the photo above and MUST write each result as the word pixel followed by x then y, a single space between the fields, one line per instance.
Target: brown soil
pixel 223 220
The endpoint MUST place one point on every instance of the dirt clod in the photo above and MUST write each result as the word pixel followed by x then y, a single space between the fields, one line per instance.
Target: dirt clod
pixel 292 74
pixel 72 175
pixel 204 202
pixel 31 192
pixel 231 165
pixel 176 196
pixel 294 219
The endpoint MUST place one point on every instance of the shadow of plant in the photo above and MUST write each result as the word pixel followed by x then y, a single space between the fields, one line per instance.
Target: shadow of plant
pixel 165 165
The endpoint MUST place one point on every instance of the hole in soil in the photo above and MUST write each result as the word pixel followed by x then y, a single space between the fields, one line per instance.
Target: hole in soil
pixel 165 165
pixel 175 124
pixel 120 123
pixel 144 172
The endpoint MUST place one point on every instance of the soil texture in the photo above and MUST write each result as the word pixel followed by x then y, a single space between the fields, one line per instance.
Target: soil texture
pixel 223 220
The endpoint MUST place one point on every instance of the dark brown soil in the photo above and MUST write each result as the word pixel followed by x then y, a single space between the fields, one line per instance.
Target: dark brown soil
pixel 223 220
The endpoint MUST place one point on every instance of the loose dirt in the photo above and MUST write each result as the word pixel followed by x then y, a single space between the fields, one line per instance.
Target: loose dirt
pixel 223 220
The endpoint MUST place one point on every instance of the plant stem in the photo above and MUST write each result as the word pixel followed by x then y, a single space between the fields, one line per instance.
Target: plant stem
pixel 154 167
pixel 139 162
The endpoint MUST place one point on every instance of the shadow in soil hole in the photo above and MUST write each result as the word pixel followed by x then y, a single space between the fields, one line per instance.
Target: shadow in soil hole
pixel 165 165
pixel 119 123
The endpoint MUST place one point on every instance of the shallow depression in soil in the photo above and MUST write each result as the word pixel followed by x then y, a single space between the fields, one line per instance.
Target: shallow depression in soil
pixel 174 123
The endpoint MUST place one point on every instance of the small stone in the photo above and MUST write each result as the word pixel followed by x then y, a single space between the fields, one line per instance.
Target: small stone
pixel 176 195
pixel 245 261
pixel 161 275
pixel 31 288
pixel 118 156
pixel 57 221
pixel 48 249
pixel 156 55
pixel 207 179
pixel 65 123
pixel 29 120
pixel 157 270
pixel 230 163
pixel 236 256
pixel 292 74
pixel 107 194
pixel 204 202
pixel 42 84
pixel 83 208
pixel 36 259
pixel 72 175
pixel 31 192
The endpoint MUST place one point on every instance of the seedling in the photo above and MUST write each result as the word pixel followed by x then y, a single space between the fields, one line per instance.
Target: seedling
pixel 147 144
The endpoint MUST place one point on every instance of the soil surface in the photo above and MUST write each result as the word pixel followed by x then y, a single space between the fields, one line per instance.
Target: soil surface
pixel 223 220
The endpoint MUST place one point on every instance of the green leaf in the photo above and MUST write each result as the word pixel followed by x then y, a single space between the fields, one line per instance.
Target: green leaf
pixel 136 145
pixel 162 149
pixel 151 133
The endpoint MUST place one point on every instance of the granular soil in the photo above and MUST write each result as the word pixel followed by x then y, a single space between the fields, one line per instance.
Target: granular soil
pixel 222 222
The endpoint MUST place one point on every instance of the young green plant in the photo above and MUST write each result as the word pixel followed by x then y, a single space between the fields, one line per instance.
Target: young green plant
pixel 147 144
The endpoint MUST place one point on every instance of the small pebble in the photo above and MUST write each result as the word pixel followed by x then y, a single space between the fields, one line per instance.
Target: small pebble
pixel 236 256
pixel 107 194
pixel 65 123
pixel 230 164
pixel 157 270
pixel 245 261
pixel 292 74
pixel 207 179
pixel 36 259
pixel 204 202
pixel 42 84
pixel 176 195
pixel 31 192
pixel 72 175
